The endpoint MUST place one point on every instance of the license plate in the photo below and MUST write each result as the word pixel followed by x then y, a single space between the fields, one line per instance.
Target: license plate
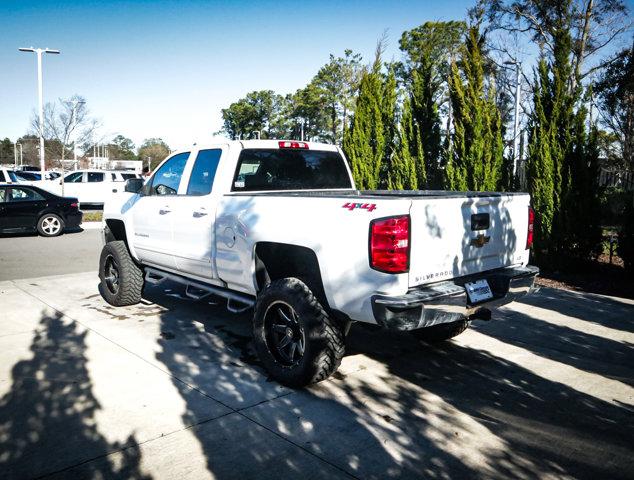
pixel 478 291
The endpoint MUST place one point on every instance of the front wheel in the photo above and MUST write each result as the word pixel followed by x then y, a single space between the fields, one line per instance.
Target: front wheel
pixel 442 332
pixel 121 279
pixel 296 340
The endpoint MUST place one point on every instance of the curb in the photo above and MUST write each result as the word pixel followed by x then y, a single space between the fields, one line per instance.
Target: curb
pixel 90 225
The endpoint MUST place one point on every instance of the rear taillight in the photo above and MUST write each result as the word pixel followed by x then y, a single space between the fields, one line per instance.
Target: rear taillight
pixel 74 205
pixel 531 225
pixel 389 244
pixel 301 145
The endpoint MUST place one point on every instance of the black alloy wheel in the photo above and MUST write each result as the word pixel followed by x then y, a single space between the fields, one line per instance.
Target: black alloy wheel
pixel 111 275
pixel 284 335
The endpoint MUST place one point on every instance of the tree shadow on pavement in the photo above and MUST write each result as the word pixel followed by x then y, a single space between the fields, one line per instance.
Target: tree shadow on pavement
pixel 300 433
pixel 47 419
pixel 401 410
pixel 588 352
pixel 542 427
pixel 608 312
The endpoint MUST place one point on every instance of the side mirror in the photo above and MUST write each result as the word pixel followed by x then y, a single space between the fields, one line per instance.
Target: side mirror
pixel 134 185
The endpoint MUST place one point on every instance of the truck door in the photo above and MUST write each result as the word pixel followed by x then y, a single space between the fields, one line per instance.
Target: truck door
pixel 95 188
pixel 153 214
pixel 194 215
pixel 73 185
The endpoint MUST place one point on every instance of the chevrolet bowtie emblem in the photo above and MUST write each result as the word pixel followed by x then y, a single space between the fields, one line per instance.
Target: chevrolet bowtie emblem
pixel 480 241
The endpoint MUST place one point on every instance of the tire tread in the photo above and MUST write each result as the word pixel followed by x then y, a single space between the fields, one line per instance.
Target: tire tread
pixel 131 276
pixel 328 330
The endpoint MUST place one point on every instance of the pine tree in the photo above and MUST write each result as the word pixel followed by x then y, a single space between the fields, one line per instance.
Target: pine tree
pixel 476 156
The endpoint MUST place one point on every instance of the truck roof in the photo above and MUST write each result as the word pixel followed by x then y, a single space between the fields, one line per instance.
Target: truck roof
pixel 272 144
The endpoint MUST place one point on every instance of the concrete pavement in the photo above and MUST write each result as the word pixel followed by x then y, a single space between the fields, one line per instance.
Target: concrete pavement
pixel 171 388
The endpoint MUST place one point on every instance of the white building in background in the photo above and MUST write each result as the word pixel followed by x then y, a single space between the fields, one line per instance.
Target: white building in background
pixel 105 163
pixel 101 163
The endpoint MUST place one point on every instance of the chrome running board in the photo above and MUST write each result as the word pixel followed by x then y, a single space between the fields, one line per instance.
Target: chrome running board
pixel 236 302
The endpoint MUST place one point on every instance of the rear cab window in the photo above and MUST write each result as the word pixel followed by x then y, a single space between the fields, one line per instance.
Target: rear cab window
pixel 289 169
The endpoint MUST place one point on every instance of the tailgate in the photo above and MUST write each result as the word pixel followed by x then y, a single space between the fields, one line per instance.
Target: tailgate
pixel 452 237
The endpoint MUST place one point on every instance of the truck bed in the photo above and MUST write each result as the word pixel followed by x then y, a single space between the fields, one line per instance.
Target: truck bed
pixel 378 194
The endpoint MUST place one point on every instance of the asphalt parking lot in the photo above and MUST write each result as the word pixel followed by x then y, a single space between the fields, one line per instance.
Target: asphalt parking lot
pixel 171 388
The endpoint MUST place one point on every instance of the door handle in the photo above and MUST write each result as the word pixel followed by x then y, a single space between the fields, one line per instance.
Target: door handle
pixel 165 210
pixel 114 190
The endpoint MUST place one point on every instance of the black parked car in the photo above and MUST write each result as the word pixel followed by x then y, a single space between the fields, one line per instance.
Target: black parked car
pixel 26 209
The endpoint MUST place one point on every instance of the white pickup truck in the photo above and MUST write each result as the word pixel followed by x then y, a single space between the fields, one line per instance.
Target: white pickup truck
pixel 279 226
pixel 92 187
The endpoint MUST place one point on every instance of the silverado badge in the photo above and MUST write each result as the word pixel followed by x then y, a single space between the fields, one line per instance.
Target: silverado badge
pixel 480 241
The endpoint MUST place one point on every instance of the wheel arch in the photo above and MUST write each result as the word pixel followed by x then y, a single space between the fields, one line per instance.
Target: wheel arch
pixel 274 260
pixel 115 230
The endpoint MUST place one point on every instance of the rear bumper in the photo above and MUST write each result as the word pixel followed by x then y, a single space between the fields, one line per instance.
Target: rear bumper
pixel 74 219
pixel 446 302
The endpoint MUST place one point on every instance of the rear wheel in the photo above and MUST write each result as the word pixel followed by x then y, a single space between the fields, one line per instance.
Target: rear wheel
pixel 442 332
pixel 296 340
pixel 50 225
pixel 121 279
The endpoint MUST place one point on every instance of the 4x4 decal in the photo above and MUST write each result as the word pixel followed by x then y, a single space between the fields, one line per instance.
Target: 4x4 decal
pixel 367 206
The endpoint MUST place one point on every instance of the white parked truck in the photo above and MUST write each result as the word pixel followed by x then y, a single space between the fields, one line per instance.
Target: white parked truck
pixel 93 187
pixel 279 227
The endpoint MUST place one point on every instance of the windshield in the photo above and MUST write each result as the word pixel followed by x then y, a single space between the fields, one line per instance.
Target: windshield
pixel 12 176
pixel 267 169
pixel 29 176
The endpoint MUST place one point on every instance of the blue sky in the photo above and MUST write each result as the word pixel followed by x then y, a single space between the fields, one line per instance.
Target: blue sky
pixel 166 68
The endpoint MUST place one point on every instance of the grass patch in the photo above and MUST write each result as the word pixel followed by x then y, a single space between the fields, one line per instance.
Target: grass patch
pixel 92 216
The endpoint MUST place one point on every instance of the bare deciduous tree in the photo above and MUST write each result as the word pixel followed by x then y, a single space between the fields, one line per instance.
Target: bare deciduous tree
pixel 67 122
pixel 593 25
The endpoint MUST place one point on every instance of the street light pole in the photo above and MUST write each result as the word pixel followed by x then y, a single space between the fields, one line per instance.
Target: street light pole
pixel 516 123
pixel 516 120
pixel 39 52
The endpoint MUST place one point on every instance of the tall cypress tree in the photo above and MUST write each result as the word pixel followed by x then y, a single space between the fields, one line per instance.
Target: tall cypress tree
pixel 365 142
pixel 390 124
pixel 540 165
pixel 404 168
pixel 476 158
pixel 561 150
pixel 428 48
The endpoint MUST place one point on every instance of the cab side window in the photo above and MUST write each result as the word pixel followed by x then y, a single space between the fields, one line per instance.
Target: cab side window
pixel 202 177
pixel 167 178
pixel 2 179
pixel 95 177
pixel 74 177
